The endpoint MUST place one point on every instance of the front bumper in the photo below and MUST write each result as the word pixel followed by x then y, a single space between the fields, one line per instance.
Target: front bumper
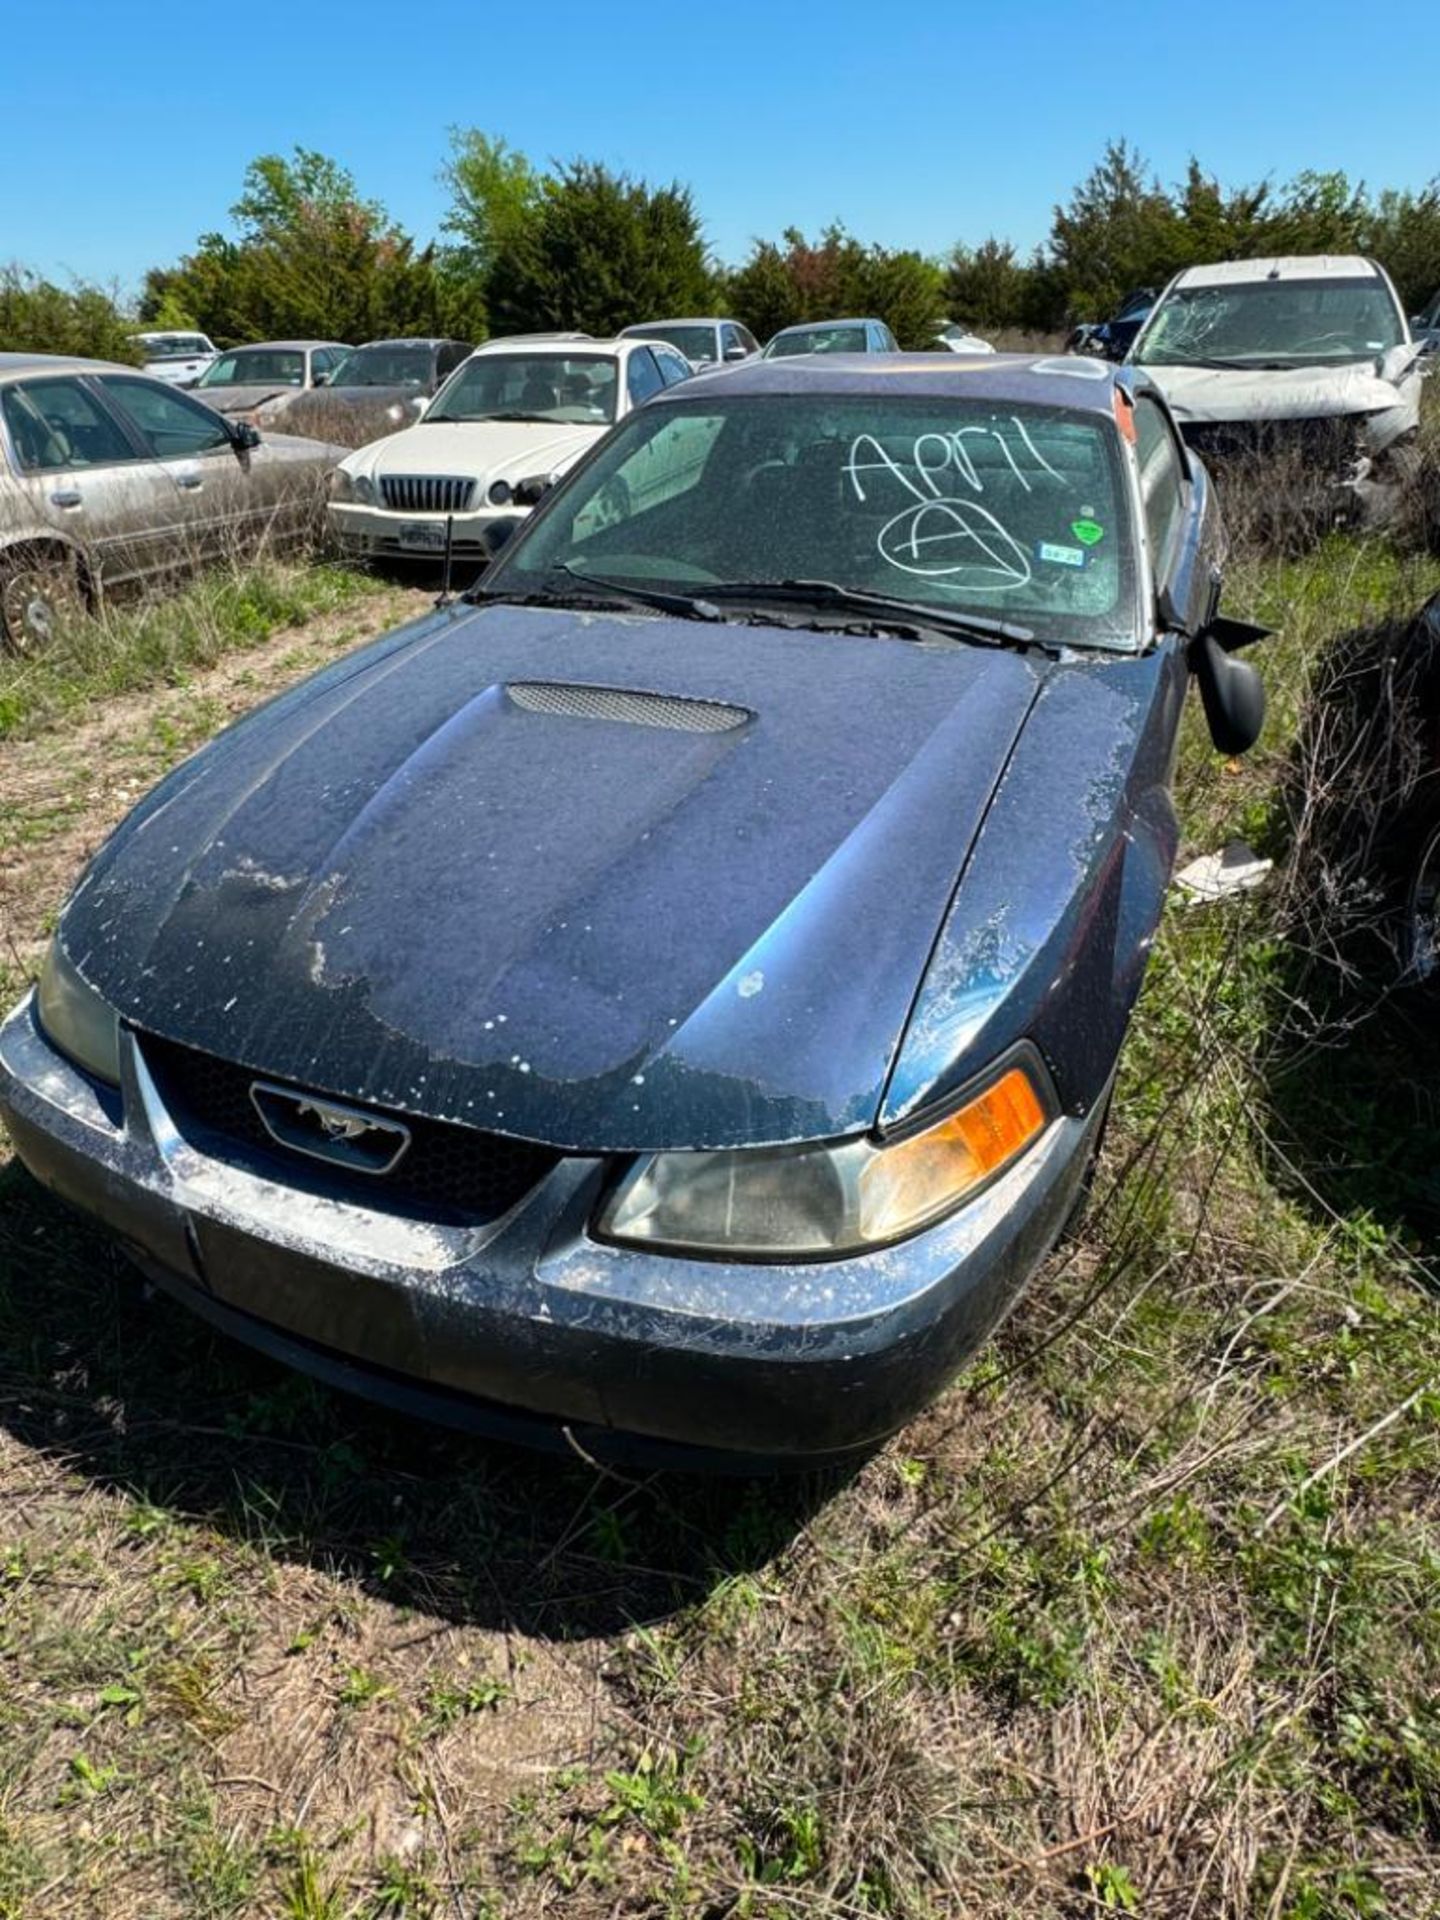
pixel 527 1326
pixel 372 533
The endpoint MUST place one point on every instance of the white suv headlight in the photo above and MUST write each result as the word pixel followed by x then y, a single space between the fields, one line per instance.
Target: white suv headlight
pixel 358 489
pixel 819 1201
pixel 76 1019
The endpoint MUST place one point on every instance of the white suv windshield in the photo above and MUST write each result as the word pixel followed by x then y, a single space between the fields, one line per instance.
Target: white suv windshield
pixel 1014 513
pixel 572 389
pixel 1271 323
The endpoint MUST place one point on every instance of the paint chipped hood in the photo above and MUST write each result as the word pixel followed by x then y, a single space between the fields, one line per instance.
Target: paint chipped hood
pixel 609 882
pixel 1388 402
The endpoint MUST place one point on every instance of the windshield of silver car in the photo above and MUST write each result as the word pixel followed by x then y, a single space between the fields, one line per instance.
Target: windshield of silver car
pixel 816 340
pixel 1272 323
pixel 255 367
pixel 385 367
pixel 1018 513
pixel 696 343
pixel 572 389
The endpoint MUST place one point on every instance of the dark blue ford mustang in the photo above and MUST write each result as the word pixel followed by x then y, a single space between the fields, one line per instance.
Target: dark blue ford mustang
pixel 672 998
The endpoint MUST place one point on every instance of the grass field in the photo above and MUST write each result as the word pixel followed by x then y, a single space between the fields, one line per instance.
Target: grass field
pixel 1143 1617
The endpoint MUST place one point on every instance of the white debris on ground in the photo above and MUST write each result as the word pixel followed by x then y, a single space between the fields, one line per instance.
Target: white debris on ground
pixel 1236 868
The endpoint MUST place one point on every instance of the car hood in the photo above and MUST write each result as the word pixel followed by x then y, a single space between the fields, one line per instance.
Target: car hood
pixel 508 449
pixel 1290 393
pixel 607 882
pixel 231 399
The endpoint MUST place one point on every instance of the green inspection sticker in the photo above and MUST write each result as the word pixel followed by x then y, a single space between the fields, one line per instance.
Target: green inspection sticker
pixel 1088 532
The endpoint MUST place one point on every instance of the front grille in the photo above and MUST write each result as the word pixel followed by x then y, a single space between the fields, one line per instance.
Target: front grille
pixel 427 492
pixel 1328 445
pixel 449 1173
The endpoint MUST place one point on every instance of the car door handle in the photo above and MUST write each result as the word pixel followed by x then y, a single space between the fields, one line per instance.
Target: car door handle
pixel 65 497
pixel 192 480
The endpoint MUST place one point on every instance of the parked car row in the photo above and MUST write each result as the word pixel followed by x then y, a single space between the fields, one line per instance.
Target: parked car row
pixel 110 476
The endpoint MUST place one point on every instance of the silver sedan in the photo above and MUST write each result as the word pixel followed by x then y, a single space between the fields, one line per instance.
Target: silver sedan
pixel 108 476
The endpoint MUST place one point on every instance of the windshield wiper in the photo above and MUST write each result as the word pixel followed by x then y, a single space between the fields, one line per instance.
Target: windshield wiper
pixel 609 593
pixel 907 615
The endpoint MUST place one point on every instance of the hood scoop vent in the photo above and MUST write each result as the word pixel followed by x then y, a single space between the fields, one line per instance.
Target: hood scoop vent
pixel 631 709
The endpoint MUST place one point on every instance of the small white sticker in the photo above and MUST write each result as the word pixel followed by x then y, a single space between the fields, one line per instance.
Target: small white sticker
pixel 1060 556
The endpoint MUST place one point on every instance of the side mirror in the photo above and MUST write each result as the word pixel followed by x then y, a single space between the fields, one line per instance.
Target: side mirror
pixel 319 379
pixel 1231 691
pixel 529 493
pixel 497 534
pixel 737 352
pixel 244 437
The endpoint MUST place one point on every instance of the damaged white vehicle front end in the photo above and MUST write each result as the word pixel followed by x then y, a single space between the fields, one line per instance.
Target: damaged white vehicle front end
pixel 1308 358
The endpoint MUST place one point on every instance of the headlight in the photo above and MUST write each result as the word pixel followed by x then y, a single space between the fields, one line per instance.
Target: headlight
pixel 358 488
pixel 803 1202
pixel 77 1020
pixel 499 493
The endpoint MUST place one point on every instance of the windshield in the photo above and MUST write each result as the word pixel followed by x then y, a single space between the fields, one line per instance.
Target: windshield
pixel 696 343
pixel 1272 323
pixel 816 340
pixel 255 367
pixel 1018 513
pixel 173 346
pixel 385 367
pixel 571 388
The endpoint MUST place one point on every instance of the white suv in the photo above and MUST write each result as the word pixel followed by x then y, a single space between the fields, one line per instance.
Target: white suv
pixel 505 425
pixel 1307 351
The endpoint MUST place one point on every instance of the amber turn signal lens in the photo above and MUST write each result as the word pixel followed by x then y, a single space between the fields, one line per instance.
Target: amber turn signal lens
pixel 910 1182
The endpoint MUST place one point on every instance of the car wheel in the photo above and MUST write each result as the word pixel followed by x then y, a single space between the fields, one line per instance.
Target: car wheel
pixel 39 593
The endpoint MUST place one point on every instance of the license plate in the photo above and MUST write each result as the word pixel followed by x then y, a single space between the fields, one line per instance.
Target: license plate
pixel 421 536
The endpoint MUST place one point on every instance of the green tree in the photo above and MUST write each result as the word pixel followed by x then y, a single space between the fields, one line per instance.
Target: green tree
pixel 1118 230
pixel 763 293
pixel 1403 233
pixel 836 276
pixel 310 258
pixel 596 251
pixel 36 316
pixel 985 287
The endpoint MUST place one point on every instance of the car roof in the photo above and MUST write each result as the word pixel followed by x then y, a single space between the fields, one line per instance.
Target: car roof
pixel 569 349
pixel 293 346
pixel 1287 266
pixel 1072 381
pixel 14 364
pixel 846 320
pixel 681 320
pixel 415 340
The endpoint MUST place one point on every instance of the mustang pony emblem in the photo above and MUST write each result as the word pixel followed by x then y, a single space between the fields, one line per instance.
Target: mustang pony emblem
pixel 344 1136
pixel 336 1121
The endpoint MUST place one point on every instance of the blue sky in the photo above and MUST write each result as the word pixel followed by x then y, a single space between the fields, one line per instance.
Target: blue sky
pixel 126 129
